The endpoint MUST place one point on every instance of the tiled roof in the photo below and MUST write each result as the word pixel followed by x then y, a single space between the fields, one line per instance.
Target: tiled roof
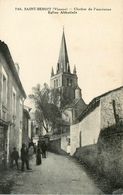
pixel 74 103
pixel 94 103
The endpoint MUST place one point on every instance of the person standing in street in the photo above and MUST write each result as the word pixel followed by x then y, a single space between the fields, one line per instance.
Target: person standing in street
pixel 31 143
pixel 24 157
pixel 14 157
pixel 68 149
pixel 44 149
pixel 38 155
pixel 30 152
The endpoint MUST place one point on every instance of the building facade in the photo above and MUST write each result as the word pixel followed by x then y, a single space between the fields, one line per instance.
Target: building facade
pixel 26 133
pixel 12 96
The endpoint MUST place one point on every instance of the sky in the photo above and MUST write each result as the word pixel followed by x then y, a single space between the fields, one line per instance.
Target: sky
pixel 94 41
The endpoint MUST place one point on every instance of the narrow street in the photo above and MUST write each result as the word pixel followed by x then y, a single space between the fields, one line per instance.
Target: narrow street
pixel 57 175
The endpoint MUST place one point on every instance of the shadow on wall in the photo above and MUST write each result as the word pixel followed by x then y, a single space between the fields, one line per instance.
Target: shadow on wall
pixel 55 146
pixel 105 158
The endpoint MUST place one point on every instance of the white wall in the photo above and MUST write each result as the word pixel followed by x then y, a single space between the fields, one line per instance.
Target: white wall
pixel 90 127
pixel 64 143
pixel 74 137
pixel 29 129
pixel 101 117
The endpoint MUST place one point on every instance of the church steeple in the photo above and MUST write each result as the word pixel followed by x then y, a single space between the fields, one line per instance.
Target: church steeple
pixel 65 80
pixel 63 61
pixel 74 70
pixel 68 68
pixel 52 72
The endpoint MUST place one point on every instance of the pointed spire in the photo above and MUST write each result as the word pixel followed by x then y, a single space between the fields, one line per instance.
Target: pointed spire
pixel 68 68
pixel 63 28
pixel 74 70
pixel 63 56
pixel 57 68
pixel 52 72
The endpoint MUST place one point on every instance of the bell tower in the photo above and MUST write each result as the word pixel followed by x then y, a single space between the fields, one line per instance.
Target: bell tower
pixel 63 79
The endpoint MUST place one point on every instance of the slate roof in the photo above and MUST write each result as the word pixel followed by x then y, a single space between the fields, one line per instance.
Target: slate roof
pixel 63 60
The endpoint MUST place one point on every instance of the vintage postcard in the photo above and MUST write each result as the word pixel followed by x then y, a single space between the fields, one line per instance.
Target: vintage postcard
pixel 61 97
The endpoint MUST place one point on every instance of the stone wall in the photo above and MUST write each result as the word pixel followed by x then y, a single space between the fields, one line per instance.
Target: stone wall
pixel 88 156
pixel 100 118
pixel 107 113
pixel 72 77
pixel 105 159
pixel 55 146
pixel 57 77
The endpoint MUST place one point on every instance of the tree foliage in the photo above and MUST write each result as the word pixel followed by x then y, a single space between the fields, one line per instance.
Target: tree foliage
pixel 47 113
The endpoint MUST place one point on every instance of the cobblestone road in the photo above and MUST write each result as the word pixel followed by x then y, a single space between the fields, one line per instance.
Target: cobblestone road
pixel 57 175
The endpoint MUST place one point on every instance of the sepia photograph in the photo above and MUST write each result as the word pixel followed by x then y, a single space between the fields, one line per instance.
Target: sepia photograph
pixel 61 97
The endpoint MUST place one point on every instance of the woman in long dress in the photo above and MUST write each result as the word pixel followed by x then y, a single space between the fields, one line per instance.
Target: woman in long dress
pixel 38 156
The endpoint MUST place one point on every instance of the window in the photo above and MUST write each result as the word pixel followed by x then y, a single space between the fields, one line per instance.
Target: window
pixel 56 82
pixel 36 130
pixel 20 113
pixel 14 102
pixel 70 82
pixel 4 87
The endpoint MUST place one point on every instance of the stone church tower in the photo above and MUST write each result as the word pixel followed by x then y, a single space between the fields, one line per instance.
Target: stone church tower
pixel 64 80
